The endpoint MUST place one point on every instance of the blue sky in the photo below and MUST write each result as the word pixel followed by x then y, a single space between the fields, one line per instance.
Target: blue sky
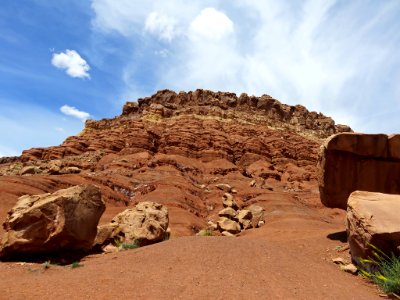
pixel 64 61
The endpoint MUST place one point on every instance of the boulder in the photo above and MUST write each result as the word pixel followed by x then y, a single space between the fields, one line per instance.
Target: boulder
pixel 29 170
pixel 228 201
pixel 257 213
pixel 353 161
pixel 70 170
pixel 245 217
pixel 224 187
pixel 373 219
pixel 349 268
pixel 225 224
pixel 226 233
pixel 228 212
pixel 145 224
pixel 63 221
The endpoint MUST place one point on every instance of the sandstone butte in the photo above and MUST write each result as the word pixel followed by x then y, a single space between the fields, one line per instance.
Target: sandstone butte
pixel 174 149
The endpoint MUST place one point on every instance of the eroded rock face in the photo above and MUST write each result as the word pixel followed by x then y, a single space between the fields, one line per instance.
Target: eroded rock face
pixel 373 218
pixel 145 224
pixel 350 161
pixel 174 148
pixel 62 221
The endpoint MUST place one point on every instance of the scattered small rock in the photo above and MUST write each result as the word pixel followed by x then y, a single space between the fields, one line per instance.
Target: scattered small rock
pixel 224 187
pixel 212 225
pixel 228 212
pixel 29 170
pixel 338 261
pixel 226 233
pixel 349 268
pixel 225 224
pixel 70 170
pixel 228 201
pixel 258 215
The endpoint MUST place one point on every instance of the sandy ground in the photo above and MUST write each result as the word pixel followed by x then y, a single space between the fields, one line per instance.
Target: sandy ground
pixel 288 258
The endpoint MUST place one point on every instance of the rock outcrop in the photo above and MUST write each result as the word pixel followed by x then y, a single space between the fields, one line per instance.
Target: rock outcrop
pixel 63 221
pixel 179 150
pixel 145 224
pixel 350 161
pixel 373 219
pixel 233 220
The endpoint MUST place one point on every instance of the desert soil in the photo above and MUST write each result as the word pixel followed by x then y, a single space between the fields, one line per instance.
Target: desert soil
pixel 288 258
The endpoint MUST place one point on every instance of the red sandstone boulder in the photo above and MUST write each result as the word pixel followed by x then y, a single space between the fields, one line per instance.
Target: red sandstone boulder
pixel 64 220
pixel 373 219
pixel 352 161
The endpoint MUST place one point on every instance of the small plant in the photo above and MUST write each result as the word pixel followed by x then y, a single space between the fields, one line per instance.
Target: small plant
pixel 206 232
pixel 117 242
pixel 384 270
pixel 127 246
pixel 76 264
pixel 167 236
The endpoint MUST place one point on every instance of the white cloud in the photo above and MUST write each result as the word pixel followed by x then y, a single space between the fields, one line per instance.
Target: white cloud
pixel 59 129
pixel 333 57
pixel 211 24
pixel 74 112
pixel 161 25
pixel 72 62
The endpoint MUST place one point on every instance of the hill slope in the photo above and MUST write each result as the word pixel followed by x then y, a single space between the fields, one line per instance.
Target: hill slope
pixel 173 149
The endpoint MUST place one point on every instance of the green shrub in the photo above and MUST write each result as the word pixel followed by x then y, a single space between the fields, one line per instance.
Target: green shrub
pixel 46 265
pixel 127 246
pixel 76 264
pixel 384 270
pixel 206 232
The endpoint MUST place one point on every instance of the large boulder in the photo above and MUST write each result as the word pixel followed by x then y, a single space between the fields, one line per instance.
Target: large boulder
pixel 145 224
pixel 353 161
pixel 373 219
pixel 63 221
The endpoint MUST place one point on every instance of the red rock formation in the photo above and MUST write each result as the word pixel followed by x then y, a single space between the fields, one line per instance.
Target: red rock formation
pixel 353 161
pixel 174 148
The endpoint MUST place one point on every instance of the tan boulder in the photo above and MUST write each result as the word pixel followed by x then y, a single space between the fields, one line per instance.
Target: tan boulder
pixel 228 201
pixel 63 221
pixel 145 224
pixel 70 170
pixel 228 212
pixel 373 218
pixel 225 224
pixel 226 233
pixel 257 213
pixel 224 187
pixel 245 217
pixel 353 161
pixel 29 170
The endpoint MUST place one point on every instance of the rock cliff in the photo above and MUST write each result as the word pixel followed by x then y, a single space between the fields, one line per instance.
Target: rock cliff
pixel 174 148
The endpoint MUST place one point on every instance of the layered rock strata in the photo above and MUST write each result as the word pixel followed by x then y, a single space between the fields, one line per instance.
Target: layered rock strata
pixel 178 150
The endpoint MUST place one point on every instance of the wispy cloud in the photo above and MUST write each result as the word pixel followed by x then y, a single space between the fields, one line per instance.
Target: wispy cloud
pixel 21 128
pixel 74 112
pixel 72 62
pixel 161 25
pixel 337 57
